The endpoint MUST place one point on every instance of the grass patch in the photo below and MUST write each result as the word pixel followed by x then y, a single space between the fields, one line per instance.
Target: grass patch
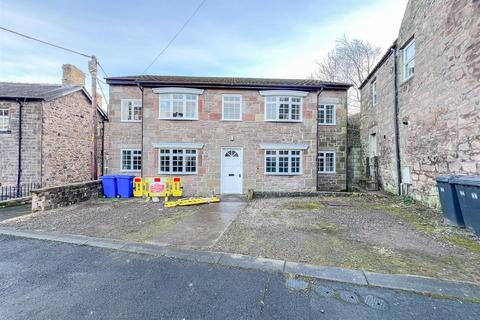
pixel 469 244
pixel 307 205
pixel 324 228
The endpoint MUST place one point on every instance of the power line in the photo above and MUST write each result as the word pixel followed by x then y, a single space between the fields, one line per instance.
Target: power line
pixel 175 36
pixel 101 68
pixel 103 94
pixel 45 42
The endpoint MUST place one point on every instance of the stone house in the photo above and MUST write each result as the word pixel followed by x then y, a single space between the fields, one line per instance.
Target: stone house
pixel 229 135
pixel 420 108
pixel 45 132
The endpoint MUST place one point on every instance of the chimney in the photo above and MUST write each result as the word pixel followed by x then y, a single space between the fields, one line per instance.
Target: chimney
pixel 72 76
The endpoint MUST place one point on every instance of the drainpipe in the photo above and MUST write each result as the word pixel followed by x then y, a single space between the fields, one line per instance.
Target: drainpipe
pixel 20 120
pixel 103 149
pixel 141 130
pixel 316 155
pixel 395 121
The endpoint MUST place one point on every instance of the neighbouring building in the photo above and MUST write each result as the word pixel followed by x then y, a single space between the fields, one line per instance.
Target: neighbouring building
pixel 45 132
pixel 229 135
pixel 420 110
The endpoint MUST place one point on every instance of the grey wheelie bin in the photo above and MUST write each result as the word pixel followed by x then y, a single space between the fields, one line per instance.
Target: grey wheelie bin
pixel 468 192
pixel 449 200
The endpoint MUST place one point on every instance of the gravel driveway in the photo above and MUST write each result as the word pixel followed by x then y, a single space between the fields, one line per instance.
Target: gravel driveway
pixel 373 233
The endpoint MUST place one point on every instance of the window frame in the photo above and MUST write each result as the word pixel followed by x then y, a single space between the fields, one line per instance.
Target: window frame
pixel 241 107
pixel 184 100
pixel 408 45
pixel 373 92
pixel 5 119
pixel 170 154
pixel 289 156
pixel 325 158
pixel 124 104
pixel 132 159
pixel 334 115
pixel 277 108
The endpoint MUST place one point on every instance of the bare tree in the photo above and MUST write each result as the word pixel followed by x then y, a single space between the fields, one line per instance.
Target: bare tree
pixel 350 61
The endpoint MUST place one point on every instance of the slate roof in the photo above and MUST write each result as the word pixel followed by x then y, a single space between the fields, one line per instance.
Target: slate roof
pixel 35 91
pixel 227 82
pixel 40 92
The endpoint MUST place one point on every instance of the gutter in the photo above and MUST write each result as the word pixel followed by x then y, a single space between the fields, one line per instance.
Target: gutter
pixel 395 121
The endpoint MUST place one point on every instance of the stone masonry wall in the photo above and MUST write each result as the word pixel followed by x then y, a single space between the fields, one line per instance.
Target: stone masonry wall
pixel 66 142
pixel 31 144
pixel 215 134
pixel 334 138
pixel 439 107
pixel 354 162
pixel 61 196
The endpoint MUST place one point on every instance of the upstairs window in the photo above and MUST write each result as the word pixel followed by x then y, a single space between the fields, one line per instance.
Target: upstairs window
pixel 409 60
pixel 178 106
pixel 373 88
pixel 326 162
pixel 283 162
pixel 4 119
pixel 283 108
pixel 327 114
pixel 131 160
pixel 177 161
pixel 232 107
pixel 131 110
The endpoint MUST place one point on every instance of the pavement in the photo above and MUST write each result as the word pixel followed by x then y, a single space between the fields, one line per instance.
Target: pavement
pixel 15 211
pixel 57 280
pixel 204 228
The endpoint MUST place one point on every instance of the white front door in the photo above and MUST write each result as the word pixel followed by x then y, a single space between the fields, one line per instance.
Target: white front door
pixel 232 170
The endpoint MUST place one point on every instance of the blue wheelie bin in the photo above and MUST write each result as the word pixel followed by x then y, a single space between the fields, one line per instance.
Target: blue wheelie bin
pixel 109 185
pixel 449 200
pixel 125 186
pixel 468 192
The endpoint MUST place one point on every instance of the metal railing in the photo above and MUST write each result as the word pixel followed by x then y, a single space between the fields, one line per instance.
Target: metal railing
pixel 11 192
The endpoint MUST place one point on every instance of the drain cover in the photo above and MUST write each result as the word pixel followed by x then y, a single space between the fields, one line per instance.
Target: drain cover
pixel 324 291
pixel 349 297
pixel 375 302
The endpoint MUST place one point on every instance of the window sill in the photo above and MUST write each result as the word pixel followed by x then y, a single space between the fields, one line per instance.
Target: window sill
pixel 131 121
pixel 407 80
pixel 282 174
pixel 321 172
pixel 5 131
pixel 178 173
pixel 131 171
pixel 284 121
pixel 327 124
pixel 232 120
pixel 179 119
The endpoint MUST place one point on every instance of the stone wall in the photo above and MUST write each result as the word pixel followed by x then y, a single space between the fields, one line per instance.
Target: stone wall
pixel 334 138
pixel 61 196
pixel 66 140
pixel 439 107
pixel 354 161
pixel 31 144
pixel 214 133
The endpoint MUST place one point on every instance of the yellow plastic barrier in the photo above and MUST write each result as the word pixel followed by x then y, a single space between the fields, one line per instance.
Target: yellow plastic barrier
pixel 157 187
pixel 137 187
pixel 191 202
pixel 177 188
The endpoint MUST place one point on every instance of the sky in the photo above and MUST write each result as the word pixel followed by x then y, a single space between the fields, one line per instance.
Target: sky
pixel 252 38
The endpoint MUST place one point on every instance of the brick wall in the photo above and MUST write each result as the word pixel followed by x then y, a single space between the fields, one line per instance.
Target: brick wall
pixel 439 107
pixel 215 134
pixel 31 144
pixel 66 140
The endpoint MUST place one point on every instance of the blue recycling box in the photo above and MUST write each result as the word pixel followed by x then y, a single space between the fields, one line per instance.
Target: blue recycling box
pixel 109 185
pixel 125 186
